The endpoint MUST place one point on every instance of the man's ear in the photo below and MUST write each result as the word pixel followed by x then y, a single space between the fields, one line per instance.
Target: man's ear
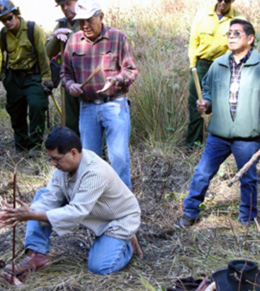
pixel 101 16
pixel 74 152
pixel 251 39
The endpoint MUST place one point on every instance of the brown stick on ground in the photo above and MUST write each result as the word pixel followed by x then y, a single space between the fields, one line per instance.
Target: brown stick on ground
pixel 246 166
pixel 137 250
pixel 96 71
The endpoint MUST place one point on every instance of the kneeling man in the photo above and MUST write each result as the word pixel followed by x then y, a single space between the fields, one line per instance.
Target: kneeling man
pixel 85 190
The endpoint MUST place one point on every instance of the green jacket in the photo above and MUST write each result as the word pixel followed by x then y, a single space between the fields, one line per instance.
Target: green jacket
pixel 216 90
pixel 53 45
pixel 19 50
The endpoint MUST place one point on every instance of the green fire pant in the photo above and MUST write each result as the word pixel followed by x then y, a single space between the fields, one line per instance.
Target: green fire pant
pixel 195 126
pixel 72 112
pixel 25 91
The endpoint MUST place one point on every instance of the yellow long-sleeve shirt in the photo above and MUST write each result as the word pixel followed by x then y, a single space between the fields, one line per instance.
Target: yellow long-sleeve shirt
pixel 208 39
pixel 19 50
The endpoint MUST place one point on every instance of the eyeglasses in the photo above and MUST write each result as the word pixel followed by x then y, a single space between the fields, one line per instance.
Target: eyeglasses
pixel 235 34
pixel 56 159
pixel 8 18
pixel 226 1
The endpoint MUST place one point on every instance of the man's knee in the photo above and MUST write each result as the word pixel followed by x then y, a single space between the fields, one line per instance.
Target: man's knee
pixel 98 269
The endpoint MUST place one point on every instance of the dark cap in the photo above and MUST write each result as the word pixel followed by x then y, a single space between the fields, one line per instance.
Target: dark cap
pixel 6 7
pixel 239 274
pixel 59 2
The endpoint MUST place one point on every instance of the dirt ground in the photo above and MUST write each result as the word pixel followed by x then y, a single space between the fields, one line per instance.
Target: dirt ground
pixel 160 182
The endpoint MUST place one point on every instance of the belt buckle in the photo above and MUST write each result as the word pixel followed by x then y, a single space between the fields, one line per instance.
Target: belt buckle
pixel 98 101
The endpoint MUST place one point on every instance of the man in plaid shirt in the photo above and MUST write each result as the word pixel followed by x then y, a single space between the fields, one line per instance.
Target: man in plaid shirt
pixel 231 91
pixel 103 105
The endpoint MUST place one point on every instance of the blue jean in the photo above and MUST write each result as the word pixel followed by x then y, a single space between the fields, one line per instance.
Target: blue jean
pixel 216 151
pixel 107 254
pixel 113 118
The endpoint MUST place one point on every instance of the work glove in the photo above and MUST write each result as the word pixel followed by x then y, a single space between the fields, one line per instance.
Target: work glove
pixel 47 87
pixel 62 34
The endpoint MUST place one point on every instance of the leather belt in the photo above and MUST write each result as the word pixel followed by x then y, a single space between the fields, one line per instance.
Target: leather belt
pixel 103 100
pixel 204 63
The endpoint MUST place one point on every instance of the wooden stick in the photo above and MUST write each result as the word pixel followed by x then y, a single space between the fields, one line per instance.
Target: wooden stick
pixel 14 234
pixel 246 166
pixel 62 89
pixel 56 104
pixel 197 85
pixel 96 71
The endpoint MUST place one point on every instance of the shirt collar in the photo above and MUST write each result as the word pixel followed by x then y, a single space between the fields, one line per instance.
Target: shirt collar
pixel 230 14
pixel 244 59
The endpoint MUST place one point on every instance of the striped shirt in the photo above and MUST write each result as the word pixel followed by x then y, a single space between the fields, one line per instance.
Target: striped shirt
pixel 110 51
pixel 236 69
pixel 95 197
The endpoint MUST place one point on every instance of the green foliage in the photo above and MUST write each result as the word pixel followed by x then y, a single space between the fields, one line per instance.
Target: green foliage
pixel 202 206
pixel 232 207
pixel 173 196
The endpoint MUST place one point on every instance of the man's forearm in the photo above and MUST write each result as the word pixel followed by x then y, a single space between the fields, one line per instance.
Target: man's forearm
pixel 39 216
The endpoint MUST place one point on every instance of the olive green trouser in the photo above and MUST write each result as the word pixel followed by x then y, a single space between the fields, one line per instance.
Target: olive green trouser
pixel 195 126
pixel 72 112
pixel 25 91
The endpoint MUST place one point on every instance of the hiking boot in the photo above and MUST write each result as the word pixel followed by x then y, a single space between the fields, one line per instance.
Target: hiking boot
pixel 32 263
pixel 185 221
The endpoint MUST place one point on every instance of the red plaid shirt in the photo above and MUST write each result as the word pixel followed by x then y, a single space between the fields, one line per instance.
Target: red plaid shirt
pixel 111 51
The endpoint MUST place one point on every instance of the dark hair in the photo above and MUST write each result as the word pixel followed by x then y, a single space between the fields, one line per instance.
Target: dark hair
pixel 63 139
pixel 247 27
pixel 17 12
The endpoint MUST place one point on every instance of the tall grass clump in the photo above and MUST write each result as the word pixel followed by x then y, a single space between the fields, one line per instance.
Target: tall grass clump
pixel 159 114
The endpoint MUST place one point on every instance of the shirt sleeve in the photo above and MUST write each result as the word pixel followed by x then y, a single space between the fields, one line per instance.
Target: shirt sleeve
pixel 51 199
pixel 128 71
pixel 194 39
pixel 52 44
pixel 206 88
pixel 67 72
pixel 43 60
pixel 63 219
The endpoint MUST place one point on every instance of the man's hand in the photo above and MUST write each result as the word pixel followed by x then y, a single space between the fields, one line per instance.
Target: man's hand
pixel 47 87
pixel 110 81
pixel 10 216
pixel 75 90
pixel 62 34
pixel 203 106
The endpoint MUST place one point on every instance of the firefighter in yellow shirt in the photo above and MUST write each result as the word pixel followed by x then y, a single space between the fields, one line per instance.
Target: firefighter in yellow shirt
pixel 26 76
pixel 208 40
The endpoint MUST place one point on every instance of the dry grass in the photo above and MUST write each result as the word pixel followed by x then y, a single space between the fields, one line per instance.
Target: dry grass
pixel 160 181
pixel 161 171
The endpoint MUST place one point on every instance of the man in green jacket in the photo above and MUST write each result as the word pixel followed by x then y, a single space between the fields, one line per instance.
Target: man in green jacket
pixel 65 27
pixel 26 76
pixel 231 91
pixel 208 41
